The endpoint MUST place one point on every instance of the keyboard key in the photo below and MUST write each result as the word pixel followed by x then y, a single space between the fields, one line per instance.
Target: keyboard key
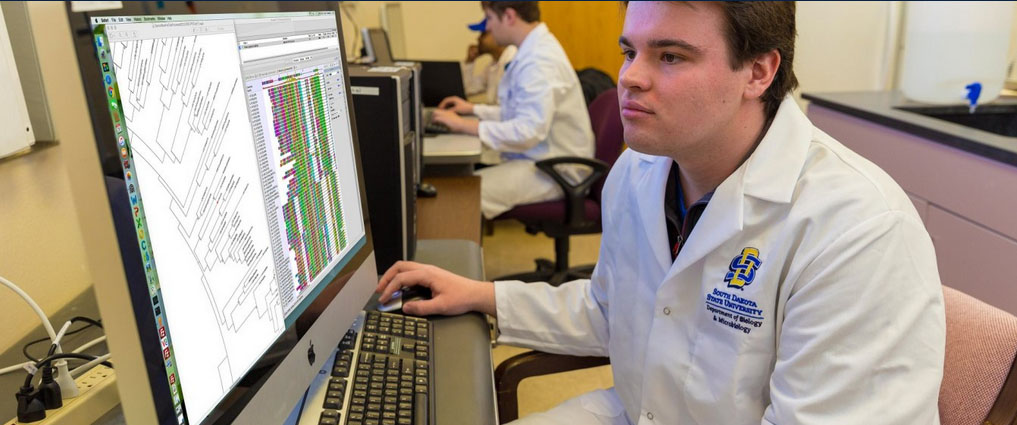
pixel 420 408
pixel 333 403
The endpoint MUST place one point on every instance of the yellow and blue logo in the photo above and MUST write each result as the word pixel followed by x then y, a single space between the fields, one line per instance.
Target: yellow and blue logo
pixel 742 270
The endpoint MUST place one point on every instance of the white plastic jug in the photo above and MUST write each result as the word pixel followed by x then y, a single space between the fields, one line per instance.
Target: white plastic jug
pixel 948 46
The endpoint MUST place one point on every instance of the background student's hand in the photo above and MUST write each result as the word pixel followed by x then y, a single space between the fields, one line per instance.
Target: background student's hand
pixel 456 104
pixel 472 53
pixel 451 294
pixel 454 122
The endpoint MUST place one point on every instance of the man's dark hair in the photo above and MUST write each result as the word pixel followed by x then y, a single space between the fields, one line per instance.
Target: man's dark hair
pixel 754 28
pixel 528 11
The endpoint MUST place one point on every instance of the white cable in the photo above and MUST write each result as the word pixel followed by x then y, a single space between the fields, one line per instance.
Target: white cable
pixel 60 335
pixel 35 307
pixel 78 371
pixel 15 368
pixel 89 344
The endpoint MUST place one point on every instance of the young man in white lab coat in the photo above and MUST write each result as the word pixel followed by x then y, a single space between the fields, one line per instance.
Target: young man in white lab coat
pixel 541 112
pixel 752 269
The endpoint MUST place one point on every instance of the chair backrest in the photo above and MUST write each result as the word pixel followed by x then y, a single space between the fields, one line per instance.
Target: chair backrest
pixel 605 115
pixel 981 344
pixel 593 82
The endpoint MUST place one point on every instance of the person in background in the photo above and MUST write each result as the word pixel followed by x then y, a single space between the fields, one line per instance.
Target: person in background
pixel 752 269
pixel 541 112
pixel 482 84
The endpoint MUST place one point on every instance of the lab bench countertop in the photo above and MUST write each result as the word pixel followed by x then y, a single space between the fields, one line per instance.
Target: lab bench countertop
pixel 881 107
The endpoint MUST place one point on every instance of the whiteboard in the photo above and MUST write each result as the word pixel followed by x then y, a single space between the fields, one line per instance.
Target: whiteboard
pixel 15 127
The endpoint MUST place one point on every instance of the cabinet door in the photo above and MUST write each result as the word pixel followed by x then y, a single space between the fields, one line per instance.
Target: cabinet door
pixel 974 259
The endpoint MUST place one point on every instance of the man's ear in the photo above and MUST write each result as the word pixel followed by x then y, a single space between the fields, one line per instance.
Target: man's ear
pixel 763 70
pixel 510 17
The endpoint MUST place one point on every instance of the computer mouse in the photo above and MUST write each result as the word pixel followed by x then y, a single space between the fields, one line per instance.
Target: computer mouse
pixel 427 190
pixel 415 293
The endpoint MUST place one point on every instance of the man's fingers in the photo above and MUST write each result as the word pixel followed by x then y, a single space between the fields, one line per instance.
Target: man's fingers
pixel 404 279
pixel 398 267
pixel 421 307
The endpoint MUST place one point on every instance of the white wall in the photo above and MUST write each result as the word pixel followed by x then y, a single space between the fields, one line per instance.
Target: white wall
pixel 842 45
pixel 435 30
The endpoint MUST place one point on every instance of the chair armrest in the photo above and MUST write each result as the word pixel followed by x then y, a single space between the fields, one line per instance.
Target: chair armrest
pixel 529 364
pixel 575 194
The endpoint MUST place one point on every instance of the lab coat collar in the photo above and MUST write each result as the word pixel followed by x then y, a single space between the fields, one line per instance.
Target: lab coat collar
pixel 533 38
pixel 772 171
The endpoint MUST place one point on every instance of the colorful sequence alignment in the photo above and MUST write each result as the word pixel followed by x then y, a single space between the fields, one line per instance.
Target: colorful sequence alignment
pixel 313 214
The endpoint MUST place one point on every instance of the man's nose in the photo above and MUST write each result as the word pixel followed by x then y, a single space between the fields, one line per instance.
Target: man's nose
pixel 634 76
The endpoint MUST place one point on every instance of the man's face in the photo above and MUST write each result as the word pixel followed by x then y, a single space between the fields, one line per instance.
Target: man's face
pixel 676 88
pixel 486 42
pixel 497 27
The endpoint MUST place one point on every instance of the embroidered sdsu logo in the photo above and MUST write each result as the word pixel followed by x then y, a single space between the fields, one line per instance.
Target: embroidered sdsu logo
pixel 742 270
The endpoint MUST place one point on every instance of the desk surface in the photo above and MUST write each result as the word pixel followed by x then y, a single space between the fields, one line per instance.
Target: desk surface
pixel 454 213
pixel 451 149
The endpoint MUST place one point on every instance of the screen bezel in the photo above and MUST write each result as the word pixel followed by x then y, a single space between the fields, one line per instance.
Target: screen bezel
pixel 237 398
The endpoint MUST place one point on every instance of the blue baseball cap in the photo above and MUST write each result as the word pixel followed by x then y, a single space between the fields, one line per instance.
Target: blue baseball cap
pixel 479 26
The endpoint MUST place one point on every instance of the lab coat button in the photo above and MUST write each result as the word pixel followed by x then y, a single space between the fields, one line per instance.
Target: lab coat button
pixel 667 311
pixel 649 415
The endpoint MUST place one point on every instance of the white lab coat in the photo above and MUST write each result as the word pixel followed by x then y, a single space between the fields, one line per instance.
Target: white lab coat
pixel 542 114
pixel 842 322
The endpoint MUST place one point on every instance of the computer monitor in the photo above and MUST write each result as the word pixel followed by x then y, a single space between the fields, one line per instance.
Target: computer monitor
pixel 440 79
pixel 376 46
pixel 241 216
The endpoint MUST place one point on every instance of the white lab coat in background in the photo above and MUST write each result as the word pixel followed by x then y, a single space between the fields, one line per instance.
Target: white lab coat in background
pixel 485 82
pixel 542 114
pixel 841 323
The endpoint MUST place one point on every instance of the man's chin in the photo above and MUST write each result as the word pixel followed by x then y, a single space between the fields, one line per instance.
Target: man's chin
pixel 641 142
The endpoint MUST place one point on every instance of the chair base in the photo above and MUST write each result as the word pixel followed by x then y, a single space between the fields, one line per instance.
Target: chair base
pixel 548 272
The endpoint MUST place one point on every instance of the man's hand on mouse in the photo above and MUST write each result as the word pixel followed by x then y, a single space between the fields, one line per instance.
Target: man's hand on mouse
pixel 451 294
pixel 456 104
pixel 455 123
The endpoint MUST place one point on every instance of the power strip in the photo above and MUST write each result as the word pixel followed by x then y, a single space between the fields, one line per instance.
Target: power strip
pixel 98 396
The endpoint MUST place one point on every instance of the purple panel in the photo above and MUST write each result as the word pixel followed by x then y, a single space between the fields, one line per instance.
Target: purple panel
pixel 982 190
pixel 973 259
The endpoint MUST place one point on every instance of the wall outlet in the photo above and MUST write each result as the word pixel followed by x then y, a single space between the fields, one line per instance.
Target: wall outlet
pixel 98 396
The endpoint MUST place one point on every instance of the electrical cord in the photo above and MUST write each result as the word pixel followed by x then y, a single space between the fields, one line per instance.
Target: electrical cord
pixel 89 323
pixel 80 370
pixel 31 303
pixel 89 344
pixel 45 362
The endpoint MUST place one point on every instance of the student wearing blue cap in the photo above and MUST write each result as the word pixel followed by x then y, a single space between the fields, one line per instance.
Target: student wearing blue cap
pixel 541 112
pixel 483 83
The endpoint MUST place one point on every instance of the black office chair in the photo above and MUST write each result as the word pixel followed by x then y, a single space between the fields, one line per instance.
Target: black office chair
pixel 579 212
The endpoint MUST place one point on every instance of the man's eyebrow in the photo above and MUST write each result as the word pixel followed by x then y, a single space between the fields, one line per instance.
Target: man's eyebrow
pixel 664 42
pixel 670 42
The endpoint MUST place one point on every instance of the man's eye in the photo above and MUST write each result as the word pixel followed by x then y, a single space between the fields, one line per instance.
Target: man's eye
pixel 670 58
pixel 629 54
